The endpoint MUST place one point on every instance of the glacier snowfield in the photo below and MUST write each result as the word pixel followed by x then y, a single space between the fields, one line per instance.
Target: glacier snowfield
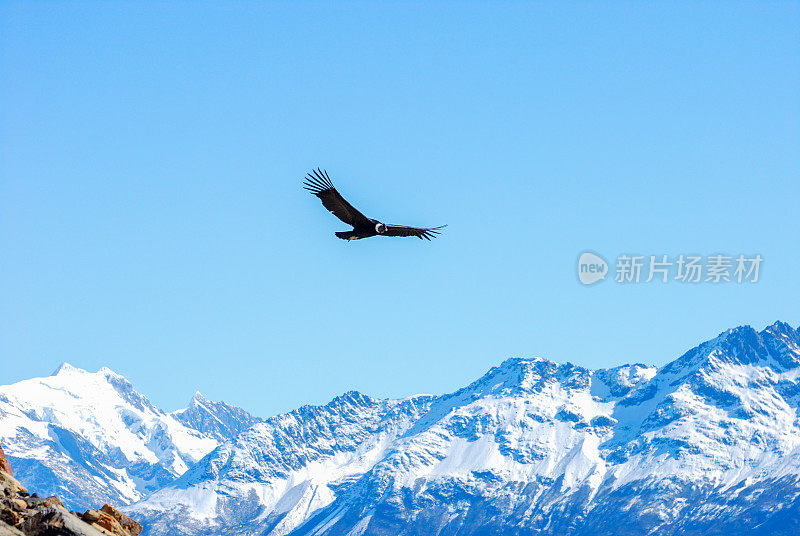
pixel 707 444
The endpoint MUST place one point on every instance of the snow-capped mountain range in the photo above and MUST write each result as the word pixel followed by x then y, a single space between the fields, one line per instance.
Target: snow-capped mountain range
pixel 709 443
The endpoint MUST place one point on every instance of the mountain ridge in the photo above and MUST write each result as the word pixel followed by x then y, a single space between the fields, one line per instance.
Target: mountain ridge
pixel 533 441
pixel 709 439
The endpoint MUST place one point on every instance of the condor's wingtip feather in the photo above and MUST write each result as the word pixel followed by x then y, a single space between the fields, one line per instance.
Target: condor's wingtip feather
pixel 316 183
pixel 321 177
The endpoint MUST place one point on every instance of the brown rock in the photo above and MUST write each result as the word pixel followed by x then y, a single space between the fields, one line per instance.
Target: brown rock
pixel 10 517
pixel 132 527
pixel 110 524
pixel 18 504
pixel 55 521
pixel 90 516
pixel 34 502
pixel 4 465
pixel 54 501
pixel 11 486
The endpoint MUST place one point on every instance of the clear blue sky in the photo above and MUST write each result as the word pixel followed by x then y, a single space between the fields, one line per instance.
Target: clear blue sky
pixel 152 217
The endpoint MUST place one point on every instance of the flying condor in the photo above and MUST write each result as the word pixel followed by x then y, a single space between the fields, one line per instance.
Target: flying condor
pixel 318 183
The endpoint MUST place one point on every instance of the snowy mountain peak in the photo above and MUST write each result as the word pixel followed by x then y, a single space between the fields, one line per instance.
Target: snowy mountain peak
pixel 354 398
pixel 66 368
pixel 91 437
pixel 197 400
pixel 775 347
pixel 780 327
pixel 784 332
pixel 526 375
pixel 215 419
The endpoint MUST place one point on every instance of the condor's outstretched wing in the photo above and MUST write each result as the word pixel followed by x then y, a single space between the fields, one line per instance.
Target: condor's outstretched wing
pixel 319 184
pixel 419 232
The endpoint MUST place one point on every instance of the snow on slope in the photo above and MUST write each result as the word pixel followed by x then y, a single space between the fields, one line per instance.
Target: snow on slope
pixel 90 438
pixel 531 447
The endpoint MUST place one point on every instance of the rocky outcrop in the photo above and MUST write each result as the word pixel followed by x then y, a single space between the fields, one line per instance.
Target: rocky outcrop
pixel 25 514
pixel 112 520
pixel 4 465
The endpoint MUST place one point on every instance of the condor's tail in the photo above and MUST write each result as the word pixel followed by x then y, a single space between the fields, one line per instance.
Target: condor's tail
pixel 347 235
